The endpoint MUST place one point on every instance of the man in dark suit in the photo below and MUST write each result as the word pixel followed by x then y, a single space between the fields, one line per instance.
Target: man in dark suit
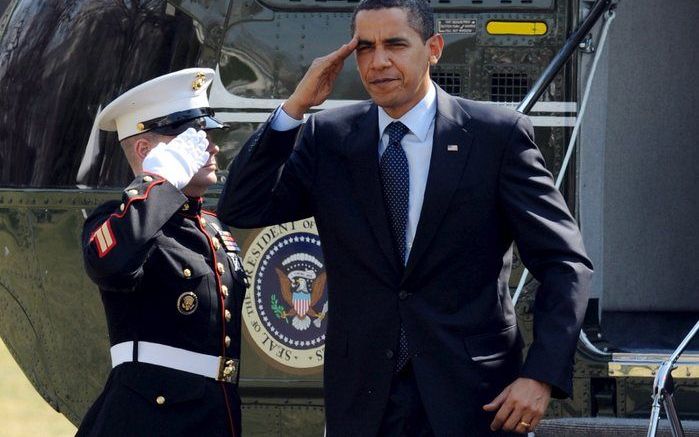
pixel 418 196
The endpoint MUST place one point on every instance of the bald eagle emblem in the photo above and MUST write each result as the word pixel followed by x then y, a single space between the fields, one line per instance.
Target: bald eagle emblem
pixel 302 283
pixel 286 305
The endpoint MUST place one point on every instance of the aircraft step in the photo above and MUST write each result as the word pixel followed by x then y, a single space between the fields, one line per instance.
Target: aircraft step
pixel 608 427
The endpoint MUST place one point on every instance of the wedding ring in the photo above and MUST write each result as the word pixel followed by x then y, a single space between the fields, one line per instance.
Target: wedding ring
pixel 525 424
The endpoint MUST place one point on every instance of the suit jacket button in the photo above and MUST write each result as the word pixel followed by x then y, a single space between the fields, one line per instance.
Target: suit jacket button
pixel 220 268
pixel 228 315
pixel 147 179
pixel 403 295
pixel 389 354
pixel 160 400
pixel 224 290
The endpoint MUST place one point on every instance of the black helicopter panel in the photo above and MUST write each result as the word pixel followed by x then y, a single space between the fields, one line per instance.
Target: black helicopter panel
pixel 62 61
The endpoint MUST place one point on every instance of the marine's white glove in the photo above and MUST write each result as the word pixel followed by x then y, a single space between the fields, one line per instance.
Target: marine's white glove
pixel 178 160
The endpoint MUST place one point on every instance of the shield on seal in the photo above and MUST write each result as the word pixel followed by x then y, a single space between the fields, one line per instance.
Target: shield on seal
pixel 301 302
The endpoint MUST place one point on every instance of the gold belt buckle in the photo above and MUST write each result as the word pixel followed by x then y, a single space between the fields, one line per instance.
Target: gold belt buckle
pixel 227 369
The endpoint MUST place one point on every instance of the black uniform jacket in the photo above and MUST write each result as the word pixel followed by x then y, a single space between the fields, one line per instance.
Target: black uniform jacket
pixel 487 186
pixel 168 273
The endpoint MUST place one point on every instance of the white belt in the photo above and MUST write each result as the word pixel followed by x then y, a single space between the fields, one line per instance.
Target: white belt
pixel 218 368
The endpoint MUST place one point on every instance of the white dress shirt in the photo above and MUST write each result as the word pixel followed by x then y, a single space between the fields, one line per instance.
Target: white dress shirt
pixel 417 145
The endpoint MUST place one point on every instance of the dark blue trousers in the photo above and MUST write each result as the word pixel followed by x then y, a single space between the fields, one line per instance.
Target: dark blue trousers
pixel 405 416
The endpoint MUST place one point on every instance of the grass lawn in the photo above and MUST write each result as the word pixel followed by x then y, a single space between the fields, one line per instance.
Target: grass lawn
pixel 22 411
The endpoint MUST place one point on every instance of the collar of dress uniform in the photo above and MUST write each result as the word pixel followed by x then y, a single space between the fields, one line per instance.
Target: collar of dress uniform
pixel 192 206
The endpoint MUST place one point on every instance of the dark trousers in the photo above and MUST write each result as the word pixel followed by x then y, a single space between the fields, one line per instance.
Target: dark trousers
pixel 405 415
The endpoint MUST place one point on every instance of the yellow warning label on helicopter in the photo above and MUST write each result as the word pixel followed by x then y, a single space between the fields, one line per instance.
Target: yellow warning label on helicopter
pixel 527 28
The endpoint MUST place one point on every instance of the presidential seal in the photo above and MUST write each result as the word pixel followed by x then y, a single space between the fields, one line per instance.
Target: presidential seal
pixel 286 305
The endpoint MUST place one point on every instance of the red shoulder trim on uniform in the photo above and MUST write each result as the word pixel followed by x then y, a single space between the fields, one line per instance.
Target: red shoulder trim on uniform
pixel 206 211
pixel 132 199
pixel 104 236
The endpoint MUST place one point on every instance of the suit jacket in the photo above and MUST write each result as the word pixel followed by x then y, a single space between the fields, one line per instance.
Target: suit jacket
pixel 452 296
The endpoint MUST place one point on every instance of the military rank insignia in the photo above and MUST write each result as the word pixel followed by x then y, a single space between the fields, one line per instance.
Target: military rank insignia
pixel 104 239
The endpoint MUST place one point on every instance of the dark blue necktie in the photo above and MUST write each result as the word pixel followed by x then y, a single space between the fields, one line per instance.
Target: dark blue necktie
pixel 395 179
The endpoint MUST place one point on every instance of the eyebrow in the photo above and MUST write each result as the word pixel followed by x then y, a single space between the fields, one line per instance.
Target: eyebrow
pixel 394 40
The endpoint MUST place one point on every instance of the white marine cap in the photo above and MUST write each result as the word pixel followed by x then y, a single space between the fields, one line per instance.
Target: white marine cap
pixel 168 104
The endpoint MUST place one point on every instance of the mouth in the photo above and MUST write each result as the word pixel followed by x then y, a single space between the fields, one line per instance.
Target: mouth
pixel 380 82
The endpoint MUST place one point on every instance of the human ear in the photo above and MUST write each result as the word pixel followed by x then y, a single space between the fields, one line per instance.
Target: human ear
pixel 142 147
pixel 435 44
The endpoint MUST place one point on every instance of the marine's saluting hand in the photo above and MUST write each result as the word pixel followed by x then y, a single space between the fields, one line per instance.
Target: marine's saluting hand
pixel 178 160
pixel 318 82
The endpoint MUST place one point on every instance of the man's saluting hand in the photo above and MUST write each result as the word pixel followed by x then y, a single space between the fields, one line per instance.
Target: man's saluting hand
pixel 318 82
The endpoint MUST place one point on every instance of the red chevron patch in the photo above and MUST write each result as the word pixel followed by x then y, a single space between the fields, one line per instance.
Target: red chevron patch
pixel 104 239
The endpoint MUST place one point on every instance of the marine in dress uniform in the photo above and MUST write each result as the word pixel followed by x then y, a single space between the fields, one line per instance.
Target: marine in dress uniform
pixel 169 274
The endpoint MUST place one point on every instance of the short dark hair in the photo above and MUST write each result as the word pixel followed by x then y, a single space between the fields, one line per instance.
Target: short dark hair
pixel 420 15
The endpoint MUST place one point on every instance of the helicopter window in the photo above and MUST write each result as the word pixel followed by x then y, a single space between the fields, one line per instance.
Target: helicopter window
pixel 55 81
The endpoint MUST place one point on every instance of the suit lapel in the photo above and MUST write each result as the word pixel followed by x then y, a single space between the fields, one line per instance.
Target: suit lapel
pixel 364 167
pixel 446 167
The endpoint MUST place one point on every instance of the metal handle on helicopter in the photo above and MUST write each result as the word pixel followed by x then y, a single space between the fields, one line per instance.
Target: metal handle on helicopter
pixel 572 43
pixel 604 8
pixel 664 390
